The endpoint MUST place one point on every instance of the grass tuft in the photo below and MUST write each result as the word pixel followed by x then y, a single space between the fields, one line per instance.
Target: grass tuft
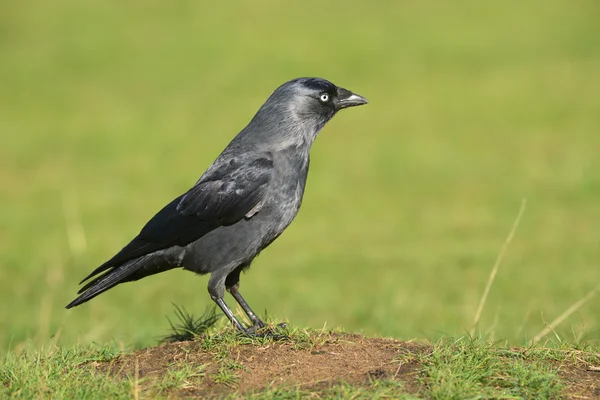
pixel 179 376
pixel 468 368
pixel 376 389
pixel 190 327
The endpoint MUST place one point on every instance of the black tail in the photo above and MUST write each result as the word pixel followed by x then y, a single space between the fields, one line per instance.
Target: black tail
pixel 108 280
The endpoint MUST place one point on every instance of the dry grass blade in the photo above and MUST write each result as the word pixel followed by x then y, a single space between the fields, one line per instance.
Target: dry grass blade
pixel 496 265
pixel 136 385
pixel 75 231
pixel 577 305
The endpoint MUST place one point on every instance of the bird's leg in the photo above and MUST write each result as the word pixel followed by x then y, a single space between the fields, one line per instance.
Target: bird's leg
pixel 216 285
pixel 238 325
pixel 256 322
pixel 232 284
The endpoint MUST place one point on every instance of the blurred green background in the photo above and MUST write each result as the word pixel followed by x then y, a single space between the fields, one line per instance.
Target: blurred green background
pixel 108 110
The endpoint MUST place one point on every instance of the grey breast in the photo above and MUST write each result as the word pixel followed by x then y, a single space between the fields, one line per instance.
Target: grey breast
pixel 229 246
pixel 285 195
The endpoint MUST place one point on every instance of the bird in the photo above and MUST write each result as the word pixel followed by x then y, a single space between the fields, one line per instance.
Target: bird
pixel 239 206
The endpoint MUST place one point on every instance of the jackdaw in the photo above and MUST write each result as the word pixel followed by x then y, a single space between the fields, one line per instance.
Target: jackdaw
pixel 239 206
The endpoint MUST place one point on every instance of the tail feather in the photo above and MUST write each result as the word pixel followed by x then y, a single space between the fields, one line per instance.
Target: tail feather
pixel 128 253
pixel 107 280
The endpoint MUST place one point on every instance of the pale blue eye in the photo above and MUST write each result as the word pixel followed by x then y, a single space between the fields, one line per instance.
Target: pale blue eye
pixel 324 97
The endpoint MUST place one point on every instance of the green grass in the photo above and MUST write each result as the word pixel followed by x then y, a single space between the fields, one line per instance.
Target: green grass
pixel 109 110
pixel 379 389
pixel 189 327
pixel 60 373
pixel 460 368
pixel 179 376
pixel 467 369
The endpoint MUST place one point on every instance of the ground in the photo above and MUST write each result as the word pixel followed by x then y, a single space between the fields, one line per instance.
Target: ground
pixel 339 360
pixel 315 364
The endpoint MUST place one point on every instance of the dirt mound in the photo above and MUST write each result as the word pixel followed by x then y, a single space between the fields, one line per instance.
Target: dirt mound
pixel 347 360
pixel 222 366
pixel 242 368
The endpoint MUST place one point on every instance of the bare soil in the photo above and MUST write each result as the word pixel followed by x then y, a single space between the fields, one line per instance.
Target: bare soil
pixel 583 380
pixel 352 359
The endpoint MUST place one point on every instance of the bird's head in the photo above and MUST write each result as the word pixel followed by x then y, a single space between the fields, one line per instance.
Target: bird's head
pixel 316 98
pixel 308 103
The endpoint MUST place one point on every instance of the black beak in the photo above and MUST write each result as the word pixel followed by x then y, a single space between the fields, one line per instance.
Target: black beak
pixel 346 98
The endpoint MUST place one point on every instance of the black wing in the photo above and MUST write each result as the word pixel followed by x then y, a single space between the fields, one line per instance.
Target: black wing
pixel 223 196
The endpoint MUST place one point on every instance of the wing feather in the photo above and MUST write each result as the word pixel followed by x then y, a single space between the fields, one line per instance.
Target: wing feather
pixel 225 194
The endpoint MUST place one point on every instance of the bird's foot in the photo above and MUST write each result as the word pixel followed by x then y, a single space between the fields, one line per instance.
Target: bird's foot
pixel 261 330
pixel 278 330
pixel 257 325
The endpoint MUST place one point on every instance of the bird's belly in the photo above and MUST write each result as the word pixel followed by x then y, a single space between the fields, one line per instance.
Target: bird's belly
pixel 230 246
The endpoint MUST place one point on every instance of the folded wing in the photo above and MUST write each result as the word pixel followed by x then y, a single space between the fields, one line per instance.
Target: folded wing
pixel 224 195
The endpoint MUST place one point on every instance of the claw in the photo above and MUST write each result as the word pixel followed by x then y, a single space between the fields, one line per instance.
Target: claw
pixel 264 331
